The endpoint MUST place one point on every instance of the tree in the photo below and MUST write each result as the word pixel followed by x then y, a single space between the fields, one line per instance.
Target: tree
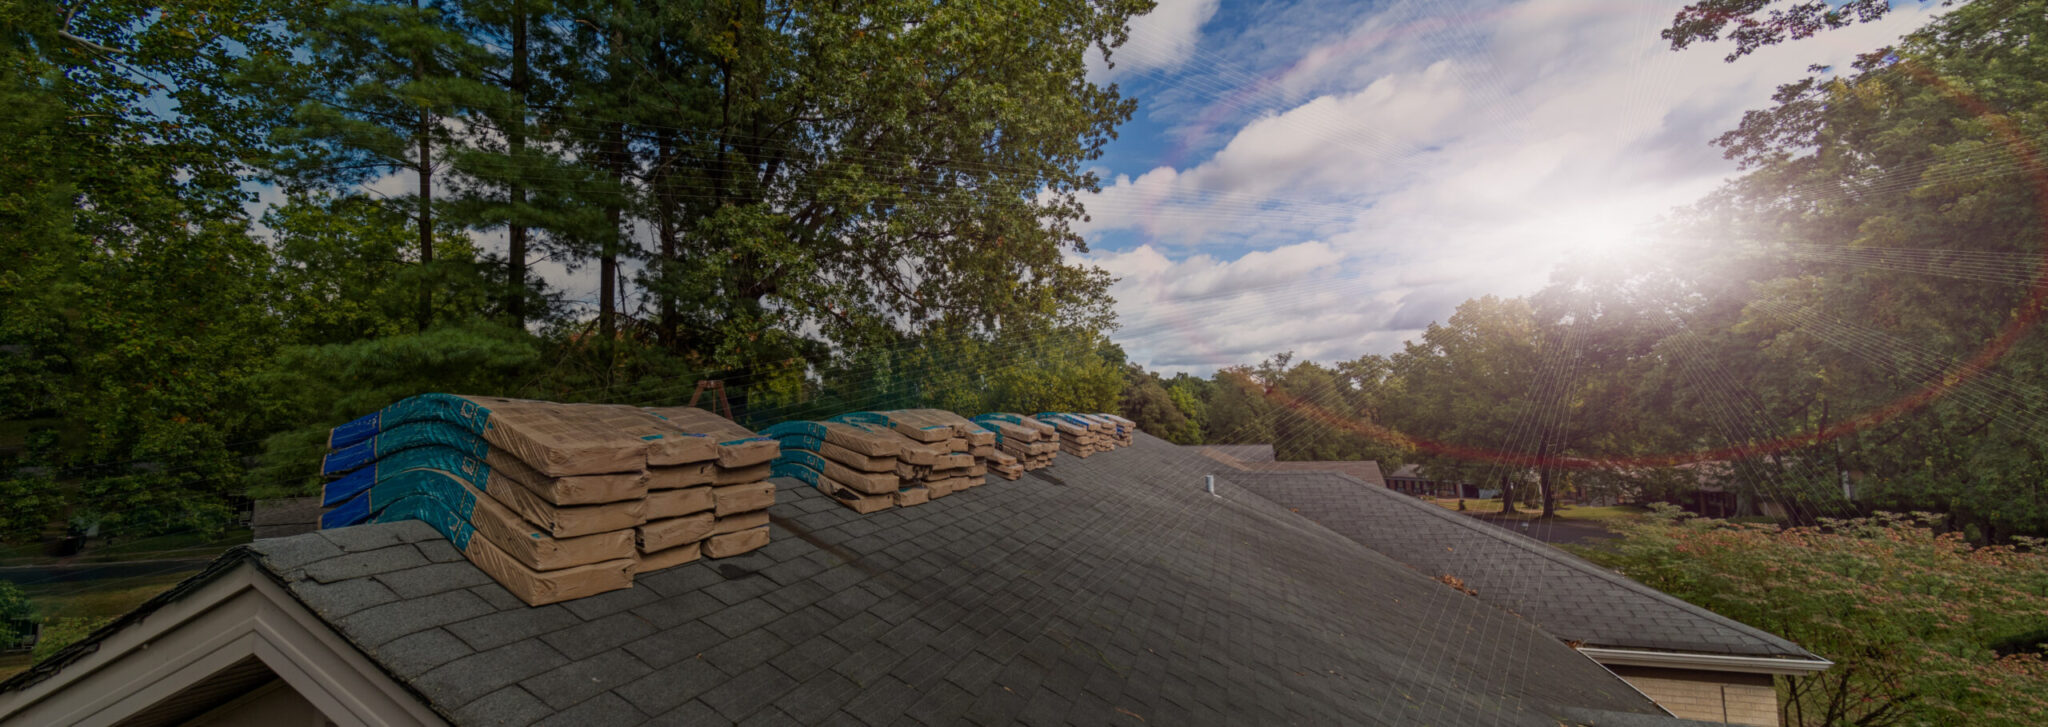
pixel 374 100
pixel 1473 383
pixel 1149 406
pixel 124 308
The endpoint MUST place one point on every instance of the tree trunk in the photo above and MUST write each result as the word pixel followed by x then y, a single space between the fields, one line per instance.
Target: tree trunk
pixel 515 256
pixel 426 169
pixel 666 271
pixel 608 257
pixel 1543 480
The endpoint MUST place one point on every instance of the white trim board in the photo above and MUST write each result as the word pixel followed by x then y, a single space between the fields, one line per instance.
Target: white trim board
pixel 238 614
pixel 1706 662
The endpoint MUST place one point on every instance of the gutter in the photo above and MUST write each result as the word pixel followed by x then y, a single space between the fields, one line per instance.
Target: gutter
pixel 1707 662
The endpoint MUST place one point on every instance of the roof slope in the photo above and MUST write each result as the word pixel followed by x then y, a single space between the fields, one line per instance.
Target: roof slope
pixel 1100 590
pixel 1366 471
pixel 1243 452
pixel 1566 596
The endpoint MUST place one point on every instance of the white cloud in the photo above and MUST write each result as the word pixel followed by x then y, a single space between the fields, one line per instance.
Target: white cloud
pixel 1160 40
pixel 1199 312
pixel 1436 157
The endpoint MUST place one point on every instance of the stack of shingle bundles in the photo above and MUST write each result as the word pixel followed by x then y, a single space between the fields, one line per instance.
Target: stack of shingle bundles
pixel 980 441
pixel 932 453
pixel 736 462
pixel 1031 442
pixel 543 497
pixel 1108 433
pixel 1124 429
pixel 1076 436
pixel 852 463
pixel 1005 465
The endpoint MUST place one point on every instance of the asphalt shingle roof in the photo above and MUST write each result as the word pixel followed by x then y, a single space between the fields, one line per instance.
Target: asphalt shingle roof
pixel 1101 590
pixel 1565 595
pixel 1243 452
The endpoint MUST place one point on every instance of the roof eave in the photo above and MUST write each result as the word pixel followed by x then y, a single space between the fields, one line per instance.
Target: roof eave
pixel 1794 666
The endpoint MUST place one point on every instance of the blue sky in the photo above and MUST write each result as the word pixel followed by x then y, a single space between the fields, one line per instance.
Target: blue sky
pixel 1329 177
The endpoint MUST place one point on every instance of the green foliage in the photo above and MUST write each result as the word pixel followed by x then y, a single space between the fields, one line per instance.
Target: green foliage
pixel 1923 628
pixel 1151 408
pixel 14 606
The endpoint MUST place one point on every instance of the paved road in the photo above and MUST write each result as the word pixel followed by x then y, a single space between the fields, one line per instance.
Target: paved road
pixel 1554 530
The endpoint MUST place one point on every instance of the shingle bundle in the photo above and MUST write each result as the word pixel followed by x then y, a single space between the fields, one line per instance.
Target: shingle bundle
pixel 733 480
pixel 932 453
pixel 555 501
pixel 980 441
pixel 1124 429
pixel 1109 434
pixel 1031 442
pixel 853 463
pixel 1077 436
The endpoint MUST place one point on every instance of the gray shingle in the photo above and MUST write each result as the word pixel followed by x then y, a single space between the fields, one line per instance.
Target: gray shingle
pixel 421 651
pixel 671 686
pixel 355 540
pixel 508 707
pixel 365 563
pixel 431 579
pixel 341 598
pixel 686 641
pixel 749 692
pixel 593 637
pixel 373 626
pixel 576 681
pixel 603 710
pixel 458 682
pixel 503 627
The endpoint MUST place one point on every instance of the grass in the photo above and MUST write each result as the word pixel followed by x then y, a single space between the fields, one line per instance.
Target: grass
pixel 1565 512
pixel 103 598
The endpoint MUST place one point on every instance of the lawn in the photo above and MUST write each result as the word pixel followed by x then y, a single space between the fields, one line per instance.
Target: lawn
pixel 1567 512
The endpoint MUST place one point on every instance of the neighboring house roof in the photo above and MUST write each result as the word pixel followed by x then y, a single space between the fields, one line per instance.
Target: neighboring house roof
pixel 1366 471
pixel 1103 589
pixel 285 517
pixel 1408 472
pixel 1572 599
pixel 1243 452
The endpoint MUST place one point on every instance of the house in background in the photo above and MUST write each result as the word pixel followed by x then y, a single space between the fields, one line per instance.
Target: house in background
pixel 1409 479
pixel 1112 589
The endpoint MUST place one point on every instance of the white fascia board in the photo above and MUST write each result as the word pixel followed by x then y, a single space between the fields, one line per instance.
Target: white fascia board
pixel 1706 662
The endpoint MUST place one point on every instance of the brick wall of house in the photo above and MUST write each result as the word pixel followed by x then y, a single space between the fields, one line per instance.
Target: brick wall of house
pixel 1713 696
